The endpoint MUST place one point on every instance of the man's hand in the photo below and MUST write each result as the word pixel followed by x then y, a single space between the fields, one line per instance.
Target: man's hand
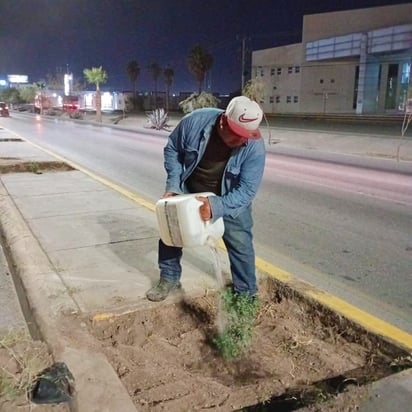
pixel 168 194
pixel 204 210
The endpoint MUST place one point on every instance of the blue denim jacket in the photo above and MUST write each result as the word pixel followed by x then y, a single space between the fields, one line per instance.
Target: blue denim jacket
pixel 243 172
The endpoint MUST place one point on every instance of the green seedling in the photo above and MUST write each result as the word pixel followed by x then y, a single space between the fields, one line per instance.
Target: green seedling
pixel 238 316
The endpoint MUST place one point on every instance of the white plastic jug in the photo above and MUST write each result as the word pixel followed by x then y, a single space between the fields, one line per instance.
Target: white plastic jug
pixel 180 223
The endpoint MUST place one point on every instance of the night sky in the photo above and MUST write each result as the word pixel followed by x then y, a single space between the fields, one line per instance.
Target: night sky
pixel 39 36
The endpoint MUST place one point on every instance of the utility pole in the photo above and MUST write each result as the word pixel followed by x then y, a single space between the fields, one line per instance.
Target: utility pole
pixel 243 63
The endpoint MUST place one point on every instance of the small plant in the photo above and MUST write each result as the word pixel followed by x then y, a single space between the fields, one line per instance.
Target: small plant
pixel 21 362
pixel 35 168
pixel 76 114
pixel 239 313
pixel 51 112
pixel 157 119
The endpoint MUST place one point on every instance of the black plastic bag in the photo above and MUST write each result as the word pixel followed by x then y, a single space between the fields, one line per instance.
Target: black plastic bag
pixel 54 385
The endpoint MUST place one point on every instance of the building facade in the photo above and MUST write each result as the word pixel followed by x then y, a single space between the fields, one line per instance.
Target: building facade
pixel 354 61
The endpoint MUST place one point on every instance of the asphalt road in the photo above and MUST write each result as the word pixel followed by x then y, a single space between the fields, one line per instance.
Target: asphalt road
pixel 344 228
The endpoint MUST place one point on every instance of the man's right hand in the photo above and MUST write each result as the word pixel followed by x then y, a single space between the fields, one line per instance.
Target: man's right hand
pixel 168 194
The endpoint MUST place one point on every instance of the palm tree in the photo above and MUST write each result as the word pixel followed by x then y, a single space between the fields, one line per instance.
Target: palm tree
pixel 97 76
pixel 155 70
pixel 199 61
pixel 168 74
pixel 41 86
pixel 133 71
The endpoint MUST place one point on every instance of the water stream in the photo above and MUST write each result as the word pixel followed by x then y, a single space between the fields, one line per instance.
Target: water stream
pixel 221 320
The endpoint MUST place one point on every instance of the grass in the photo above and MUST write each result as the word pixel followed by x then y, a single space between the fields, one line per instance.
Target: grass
pixel 238 314
pixel 22 360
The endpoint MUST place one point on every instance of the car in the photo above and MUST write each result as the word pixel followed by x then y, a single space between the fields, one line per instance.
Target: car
pixel 4 110
pixel 70 103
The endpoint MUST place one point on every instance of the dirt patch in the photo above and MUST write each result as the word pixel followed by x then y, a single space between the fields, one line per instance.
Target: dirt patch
pixel 301 355
pixel 21 360
pixel 16 165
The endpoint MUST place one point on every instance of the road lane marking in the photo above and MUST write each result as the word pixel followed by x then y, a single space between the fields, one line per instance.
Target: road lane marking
pixel 368 321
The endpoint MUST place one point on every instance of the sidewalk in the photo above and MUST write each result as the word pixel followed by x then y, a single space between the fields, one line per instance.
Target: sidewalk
pixel 82 249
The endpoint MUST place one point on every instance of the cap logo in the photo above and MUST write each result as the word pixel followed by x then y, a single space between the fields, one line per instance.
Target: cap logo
pixel 243 119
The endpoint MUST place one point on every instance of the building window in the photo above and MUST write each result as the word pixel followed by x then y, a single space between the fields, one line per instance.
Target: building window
pixel 272 72
pixel 274 87
pixel 332 80
pixel 271 99
pixel 262 72
pixel 290 69
pixel 279 70
pixel 277 99
pixel 321 81
pixel 391 86
pixel 288 99
pixel 295 99
pixel 297 69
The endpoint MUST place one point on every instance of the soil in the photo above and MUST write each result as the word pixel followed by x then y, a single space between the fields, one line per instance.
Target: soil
pixel 301 357
pixel 16 165
pixel 21 361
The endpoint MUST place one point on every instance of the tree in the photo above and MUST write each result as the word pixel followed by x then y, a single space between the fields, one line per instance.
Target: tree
pixel 199 61
pixel 197 101
pixel 79 85
pixel 40 85
pixel 55 81
pixel 11 95
pixel 28 93
pixel 168 74
pixel 133 71
pixel 97 76
pixel 255 90
pixel 155 71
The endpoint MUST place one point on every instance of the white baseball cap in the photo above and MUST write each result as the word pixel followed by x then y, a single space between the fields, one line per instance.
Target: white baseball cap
pixel 244 116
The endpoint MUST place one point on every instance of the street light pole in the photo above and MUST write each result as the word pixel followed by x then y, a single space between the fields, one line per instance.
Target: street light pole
pixel 243 62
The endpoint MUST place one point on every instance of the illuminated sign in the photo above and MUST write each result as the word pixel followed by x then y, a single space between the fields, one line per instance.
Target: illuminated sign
pixel 18 78
pixel 68 84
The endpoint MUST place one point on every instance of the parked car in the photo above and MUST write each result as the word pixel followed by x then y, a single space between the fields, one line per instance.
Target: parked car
pixel 70 103
pixel 4 110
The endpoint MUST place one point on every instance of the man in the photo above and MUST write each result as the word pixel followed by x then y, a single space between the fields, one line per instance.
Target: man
pixel 217 151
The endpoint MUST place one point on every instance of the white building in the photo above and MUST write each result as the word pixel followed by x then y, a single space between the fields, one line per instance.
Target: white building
pixel 354 61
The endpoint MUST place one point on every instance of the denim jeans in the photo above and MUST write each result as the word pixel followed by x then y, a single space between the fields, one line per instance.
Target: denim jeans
pixel 238 240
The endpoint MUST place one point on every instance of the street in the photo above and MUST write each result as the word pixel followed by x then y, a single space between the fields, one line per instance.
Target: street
pixel 341 227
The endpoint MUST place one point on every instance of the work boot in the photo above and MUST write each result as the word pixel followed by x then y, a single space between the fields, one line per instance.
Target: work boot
pixel 162 290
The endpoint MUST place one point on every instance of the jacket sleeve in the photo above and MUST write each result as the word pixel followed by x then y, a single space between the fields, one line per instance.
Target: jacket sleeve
pixel 173 159
pixel 242 184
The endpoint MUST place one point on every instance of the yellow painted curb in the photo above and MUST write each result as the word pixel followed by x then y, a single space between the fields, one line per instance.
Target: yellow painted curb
pixel 366 320
pixel 100 317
